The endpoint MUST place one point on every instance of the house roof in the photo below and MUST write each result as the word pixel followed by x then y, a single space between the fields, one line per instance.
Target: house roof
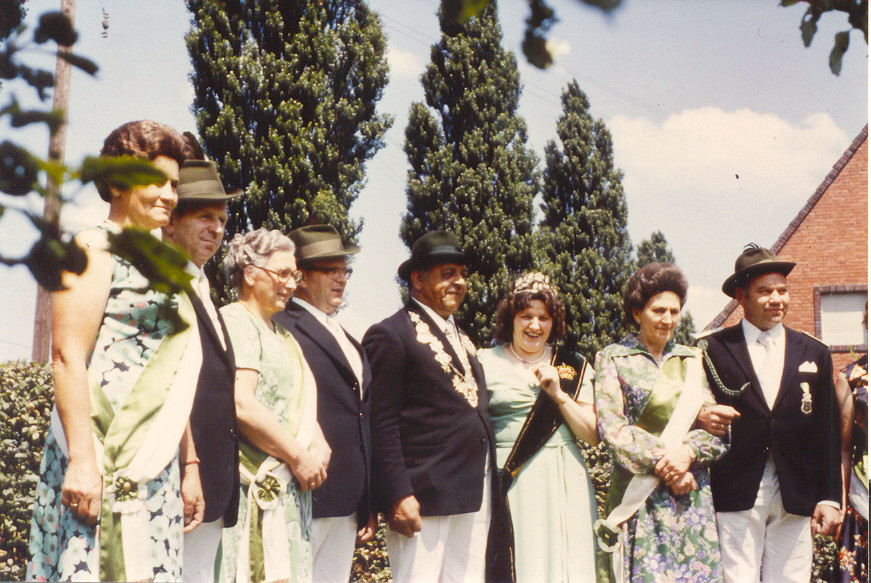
pixel 800 217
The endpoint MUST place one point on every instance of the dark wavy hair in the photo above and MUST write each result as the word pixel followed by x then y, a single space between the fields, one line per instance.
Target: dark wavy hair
pixel 513 303
pixel 648 281
pixel 145 139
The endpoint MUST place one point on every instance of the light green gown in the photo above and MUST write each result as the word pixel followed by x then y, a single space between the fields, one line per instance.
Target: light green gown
pixel 552 500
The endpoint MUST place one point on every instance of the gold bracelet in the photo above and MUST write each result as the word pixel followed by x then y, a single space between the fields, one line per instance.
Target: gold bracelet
pixel 196 460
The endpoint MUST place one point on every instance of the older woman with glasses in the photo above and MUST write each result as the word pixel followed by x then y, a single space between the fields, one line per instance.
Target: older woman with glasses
pixel 283 454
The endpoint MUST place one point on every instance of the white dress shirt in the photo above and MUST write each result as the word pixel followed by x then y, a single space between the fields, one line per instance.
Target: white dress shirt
pixel 348 349
pixel 200 284
pixel 767 361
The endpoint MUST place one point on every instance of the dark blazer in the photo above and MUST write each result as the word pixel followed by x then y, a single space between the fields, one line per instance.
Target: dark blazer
pixel 805 447
pixel 427 440
pixel 213 421
pixel 342 415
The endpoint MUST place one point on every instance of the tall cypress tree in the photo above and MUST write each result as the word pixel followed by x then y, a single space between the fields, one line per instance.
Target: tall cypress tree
pixel 585 245
pixel 470 170
pixel 285 105
pixel 654 250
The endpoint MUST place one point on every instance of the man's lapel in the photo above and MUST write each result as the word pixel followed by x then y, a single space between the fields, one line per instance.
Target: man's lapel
pixel 795 347
pixel 737 347
pixel 436 329
pixel 310 326
pixel 203 317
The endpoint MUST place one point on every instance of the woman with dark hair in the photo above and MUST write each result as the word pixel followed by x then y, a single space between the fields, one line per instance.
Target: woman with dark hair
pixel 542 522
pixel 109 504
pixel 660 523
pixel 282 453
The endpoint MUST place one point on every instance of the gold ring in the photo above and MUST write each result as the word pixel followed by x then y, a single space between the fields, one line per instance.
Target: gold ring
pixel 74 506
pixel 311 484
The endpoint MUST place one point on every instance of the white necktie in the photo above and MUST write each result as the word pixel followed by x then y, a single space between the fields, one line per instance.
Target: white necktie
pixel 769 376
pixel 204 292
pixel 454 338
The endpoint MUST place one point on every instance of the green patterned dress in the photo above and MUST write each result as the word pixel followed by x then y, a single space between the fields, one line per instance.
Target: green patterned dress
pixel 671 539
pixel 62 548
pixel 275 356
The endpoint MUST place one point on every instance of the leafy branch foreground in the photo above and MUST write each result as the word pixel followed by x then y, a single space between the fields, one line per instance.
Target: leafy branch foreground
pixel 25 408
pixel 26 175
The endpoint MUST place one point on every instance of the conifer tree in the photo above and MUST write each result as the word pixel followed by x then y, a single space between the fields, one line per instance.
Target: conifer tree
pixel 656 249
pixel 585 246
pixel 285 99
pixel 470 170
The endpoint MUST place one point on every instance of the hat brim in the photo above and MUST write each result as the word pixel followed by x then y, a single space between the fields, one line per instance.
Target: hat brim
pixel 407 266
pixel 743 277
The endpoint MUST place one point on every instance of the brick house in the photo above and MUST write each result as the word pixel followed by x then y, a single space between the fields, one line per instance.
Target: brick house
pixel 828 240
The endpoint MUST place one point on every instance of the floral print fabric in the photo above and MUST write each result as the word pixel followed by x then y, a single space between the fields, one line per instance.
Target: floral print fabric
pixel 133 327
pixel 258 348
pixel 671 538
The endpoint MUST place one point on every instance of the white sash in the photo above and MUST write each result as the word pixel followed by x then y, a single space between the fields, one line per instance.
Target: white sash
pixel 641 486
pixel 276 546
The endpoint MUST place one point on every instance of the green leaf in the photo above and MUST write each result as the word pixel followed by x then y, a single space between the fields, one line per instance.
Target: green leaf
pixel 53 254
pixel 162 264
pixel 535 50
pixel 808 26
pixel 842 43
pixel 38 79
pixel 57 27
pixel 121 172
pixel 86 65
pixel 18 170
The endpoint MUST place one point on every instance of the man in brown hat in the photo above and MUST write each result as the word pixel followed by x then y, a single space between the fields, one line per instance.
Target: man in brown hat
pixel 780 481
pixel 341 505
pixel 432 442
pixel 196 226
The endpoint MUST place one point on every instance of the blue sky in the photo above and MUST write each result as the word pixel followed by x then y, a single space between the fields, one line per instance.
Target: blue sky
pixel 723 123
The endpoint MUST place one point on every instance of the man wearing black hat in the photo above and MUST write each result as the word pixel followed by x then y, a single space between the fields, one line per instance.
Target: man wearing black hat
pixel 780 481
pixel 341 505
pixel 196 226
pixel 431 435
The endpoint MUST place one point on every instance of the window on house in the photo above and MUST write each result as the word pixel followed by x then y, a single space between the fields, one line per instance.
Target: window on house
pixel 840 317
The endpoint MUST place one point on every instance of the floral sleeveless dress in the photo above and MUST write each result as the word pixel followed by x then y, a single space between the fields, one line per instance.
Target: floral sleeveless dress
pixel 62 548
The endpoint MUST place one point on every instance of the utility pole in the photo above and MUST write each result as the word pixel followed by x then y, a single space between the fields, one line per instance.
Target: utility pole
pixel 51 211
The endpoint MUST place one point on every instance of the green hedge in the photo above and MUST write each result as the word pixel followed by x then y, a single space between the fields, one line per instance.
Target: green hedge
pixel 25 406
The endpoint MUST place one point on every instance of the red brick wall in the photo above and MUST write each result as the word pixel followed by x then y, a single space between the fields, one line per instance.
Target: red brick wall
pixel 829 243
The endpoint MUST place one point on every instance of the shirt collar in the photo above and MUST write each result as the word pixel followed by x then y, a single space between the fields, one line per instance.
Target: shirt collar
pixel 319 314
pixel 195 271
pixel 751 332
pixel 444 323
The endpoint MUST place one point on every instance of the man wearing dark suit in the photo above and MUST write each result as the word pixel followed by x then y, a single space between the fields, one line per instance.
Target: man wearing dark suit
pixel 779 483
pixel 432 440
pixel 197 228
pixel 341 505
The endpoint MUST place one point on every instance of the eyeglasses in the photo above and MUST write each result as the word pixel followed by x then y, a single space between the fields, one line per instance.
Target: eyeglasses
pixel 283 276
pixel 334 272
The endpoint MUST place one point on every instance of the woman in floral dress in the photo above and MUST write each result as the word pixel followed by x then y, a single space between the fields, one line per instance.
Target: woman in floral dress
pixel 102 510
pixel 660 524
pixel 283 454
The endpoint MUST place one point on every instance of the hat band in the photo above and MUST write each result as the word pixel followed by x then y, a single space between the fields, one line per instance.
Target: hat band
pixel 319 247
pixel 444 249
pixel 207 186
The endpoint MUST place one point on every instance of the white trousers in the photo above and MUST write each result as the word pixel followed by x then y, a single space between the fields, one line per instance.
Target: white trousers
pixel 333 542
pixel 448 549
pixel 201 550
pixel 766 543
